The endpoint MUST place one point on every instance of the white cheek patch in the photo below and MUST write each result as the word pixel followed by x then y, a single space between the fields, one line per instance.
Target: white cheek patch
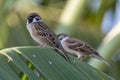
pixel 35 20
pixel 64 39
pixel 27 22
pixel 60 38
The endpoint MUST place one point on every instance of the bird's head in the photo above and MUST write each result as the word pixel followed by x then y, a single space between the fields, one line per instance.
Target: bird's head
pixel 62 36
pixel 33 17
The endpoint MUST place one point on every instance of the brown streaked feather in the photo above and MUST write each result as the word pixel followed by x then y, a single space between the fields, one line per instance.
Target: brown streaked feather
pixel 40 26
pixel 80 46
pixel 48 36
pixel 43 32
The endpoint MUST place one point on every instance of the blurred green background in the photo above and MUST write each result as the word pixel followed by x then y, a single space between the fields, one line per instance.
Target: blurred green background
pixel 79 18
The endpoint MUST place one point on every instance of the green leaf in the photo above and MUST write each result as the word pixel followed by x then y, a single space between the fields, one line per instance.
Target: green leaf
pixel 6 71
pixel 47 64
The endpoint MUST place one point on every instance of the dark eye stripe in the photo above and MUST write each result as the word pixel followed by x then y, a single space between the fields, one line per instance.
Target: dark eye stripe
pixel 30 18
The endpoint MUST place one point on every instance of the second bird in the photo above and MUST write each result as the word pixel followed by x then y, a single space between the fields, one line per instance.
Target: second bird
pixel 43 35
pixel 79 48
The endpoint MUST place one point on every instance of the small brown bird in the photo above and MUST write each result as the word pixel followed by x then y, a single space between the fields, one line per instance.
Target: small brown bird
pixel 43 35
pixel 79 48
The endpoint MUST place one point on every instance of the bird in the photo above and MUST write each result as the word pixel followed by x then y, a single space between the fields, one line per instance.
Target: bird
pixel 44 36
pixel 79 48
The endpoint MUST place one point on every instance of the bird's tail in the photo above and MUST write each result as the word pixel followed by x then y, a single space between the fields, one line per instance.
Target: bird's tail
pixel 101 59
pixel 64 54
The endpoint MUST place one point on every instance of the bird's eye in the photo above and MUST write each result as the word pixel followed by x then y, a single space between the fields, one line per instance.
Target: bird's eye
pixel 61 38
pixel 37 19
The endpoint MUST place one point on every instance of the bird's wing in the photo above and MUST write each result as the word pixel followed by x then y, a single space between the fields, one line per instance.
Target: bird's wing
pixel 48 35
pixel 79 45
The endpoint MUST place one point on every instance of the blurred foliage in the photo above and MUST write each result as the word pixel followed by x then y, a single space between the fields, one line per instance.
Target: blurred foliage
pixel 109 45
pixel 85 26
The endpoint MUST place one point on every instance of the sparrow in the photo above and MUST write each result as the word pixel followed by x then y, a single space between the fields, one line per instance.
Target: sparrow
pixel 79 48
pixel 40 33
